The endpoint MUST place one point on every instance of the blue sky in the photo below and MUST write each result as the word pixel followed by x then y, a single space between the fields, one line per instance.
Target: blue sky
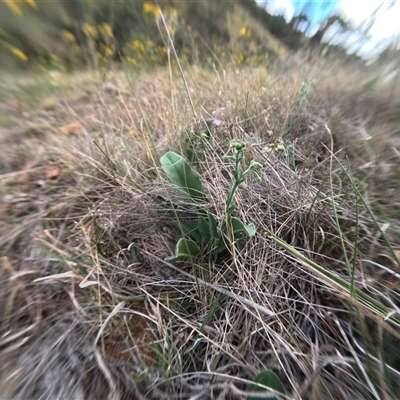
pixel 358 12
pixel 316 11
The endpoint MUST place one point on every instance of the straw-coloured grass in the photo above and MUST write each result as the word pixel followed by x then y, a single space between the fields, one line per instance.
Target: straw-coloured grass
pixel 92 310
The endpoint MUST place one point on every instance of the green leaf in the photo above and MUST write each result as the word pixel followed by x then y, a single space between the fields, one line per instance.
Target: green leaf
pixel 213 226
pixel 206 134
pixel 266 378
pixel 219 246
pixel 188 225
pixel 184 248
pixel 183 175
pixel 204 228
pixel 239 227
pixel 192 228
pixel 133 255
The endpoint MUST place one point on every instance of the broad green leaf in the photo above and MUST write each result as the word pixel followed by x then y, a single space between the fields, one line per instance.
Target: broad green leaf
pixel 266 378
pixel 192 228
pixel 184 248
pixel 183 175
pixel 219 245
pixel 204 229
pixel 239 227
pixel 196 235
pixel 213 226
pixel 188 225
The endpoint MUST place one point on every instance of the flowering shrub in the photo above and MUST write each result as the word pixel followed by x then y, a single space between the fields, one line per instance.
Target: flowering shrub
pixel 142 35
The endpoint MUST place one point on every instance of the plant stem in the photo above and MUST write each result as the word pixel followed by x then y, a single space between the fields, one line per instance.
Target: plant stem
pixel 229 199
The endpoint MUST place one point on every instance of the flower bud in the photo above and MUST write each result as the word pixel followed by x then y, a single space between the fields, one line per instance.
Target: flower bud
pixel 237 145
pixel 254 165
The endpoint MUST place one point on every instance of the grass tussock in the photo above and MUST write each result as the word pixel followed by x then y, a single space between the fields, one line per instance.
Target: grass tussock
pixel 91 309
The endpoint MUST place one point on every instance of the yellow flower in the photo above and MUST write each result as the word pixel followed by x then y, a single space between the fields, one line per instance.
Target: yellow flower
pixel 173 12
pixel 108 51
pixel 32 3
pixel 149 8
pixel 132 61
pixel 68 36
pixel 245 32
pixel 138 46
pixel 161 50
pixel 19 53
pixel 14 5
pixel 171 29
pixel 105 29
pixel 239 58
pixel 91 30
pixel 54 57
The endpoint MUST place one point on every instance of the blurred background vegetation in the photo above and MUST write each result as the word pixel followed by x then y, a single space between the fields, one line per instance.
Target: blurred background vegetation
pixel 60 35
pixel 66 35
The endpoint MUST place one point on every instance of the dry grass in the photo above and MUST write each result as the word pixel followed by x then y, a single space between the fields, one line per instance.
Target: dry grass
pixel 91 309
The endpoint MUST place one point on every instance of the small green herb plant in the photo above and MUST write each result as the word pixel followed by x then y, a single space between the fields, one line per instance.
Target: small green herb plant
pixel 206 231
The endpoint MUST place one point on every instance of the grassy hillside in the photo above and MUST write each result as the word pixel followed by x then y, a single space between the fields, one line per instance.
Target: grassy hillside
pixel 285 206
pixel 68 35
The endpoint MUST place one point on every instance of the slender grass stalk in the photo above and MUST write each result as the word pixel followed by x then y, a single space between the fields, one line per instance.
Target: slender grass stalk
pixel 367 207
pixel 354 294
pixel 335 213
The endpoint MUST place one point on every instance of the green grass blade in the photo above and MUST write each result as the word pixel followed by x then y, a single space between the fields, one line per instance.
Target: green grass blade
pixel 342 285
